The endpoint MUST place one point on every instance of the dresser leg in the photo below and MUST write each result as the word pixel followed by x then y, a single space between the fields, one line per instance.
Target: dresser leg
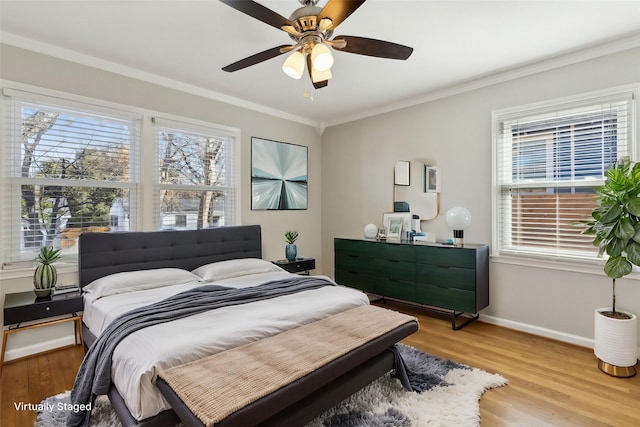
pixel 457 327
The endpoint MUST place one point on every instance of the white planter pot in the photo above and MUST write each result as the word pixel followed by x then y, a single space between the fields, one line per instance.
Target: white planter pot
pixel 615 340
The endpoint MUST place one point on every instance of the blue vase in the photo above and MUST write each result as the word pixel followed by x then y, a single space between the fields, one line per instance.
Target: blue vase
pixel 291 252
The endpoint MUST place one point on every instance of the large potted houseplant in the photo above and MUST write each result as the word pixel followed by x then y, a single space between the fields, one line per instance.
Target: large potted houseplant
pixel 615 224
pixel 46 275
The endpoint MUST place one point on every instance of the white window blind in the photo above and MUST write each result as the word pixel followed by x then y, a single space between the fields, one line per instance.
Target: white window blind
pixel 195 184
pixel 69 167
pixel 547 164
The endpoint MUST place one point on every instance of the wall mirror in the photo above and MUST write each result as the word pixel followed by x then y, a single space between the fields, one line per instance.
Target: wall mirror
pixel 422 203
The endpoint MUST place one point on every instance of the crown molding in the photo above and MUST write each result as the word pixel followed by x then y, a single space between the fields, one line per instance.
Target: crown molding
pixel 568 58
pixel 92 61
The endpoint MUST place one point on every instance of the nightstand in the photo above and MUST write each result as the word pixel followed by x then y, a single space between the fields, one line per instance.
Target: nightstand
pixel 300 265
pixel 21 307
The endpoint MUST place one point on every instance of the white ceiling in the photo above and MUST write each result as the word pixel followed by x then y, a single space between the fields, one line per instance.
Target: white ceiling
pixel 456 44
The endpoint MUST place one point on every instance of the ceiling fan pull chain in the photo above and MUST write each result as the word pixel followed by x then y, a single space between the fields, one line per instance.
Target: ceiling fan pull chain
pixel 306 91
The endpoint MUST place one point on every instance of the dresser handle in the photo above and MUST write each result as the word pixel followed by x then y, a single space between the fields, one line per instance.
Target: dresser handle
pixel 48 308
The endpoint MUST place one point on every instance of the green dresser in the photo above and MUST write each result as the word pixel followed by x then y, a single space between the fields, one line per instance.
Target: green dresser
pixel 438 276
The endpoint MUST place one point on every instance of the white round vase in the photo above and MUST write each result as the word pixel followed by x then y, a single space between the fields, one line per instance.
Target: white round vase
pixel 615 340
pixel 370 231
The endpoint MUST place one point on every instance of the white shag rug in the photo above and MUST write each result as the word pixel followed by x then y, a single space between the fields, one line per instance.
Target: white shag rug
pixel 448 395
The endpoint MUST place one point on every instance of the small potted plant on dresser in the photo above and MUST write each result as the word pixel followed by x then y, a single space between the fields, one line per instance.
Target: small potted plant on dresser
pixel 291 250
pixel 616 227
pixel 46 275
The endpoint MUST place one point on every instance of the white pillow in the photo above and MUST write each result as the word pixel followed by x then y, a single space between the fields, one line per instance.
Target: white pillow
pixel 130 281
pixel 234 268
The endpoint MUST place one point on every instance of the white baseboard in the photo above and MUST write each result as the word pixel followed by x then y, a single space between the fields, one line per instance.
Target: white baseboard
pixel 537 330
pixel 544 332
pixel 29 350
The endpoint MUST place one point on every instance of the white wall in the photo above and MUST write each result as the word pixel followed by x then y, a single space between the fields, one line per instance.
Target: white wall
pixel 23 66
pixel 454 133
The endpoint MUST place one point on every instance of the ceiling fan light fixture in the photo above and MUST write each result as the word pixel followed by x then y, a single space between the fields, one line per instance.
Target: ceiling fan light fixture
pixel 321 57
pixel 294 65
pixel 320 76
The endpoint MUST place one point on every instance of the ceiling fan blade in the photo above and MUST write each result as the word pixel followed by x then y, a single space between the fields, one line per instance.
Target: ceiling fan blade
pixel 261 13
pixel 339 10
pixel 373 47
pixel 255 59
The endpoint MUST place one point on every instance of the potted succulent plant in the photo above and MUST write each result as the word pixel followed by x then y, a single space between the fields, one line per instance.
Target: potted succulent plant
pixel 46 275
pixel 291 250
pixel 616 227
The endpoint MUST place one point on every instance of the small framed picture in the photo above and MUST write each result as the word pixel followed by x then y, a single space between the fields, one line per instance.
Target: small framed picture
pixel 431 179
pixel 396 223
pixel 382 233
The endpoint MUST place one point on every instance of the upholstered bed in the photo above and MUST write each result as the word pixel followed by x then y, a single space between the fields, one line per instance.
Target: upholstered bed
pixel 229 257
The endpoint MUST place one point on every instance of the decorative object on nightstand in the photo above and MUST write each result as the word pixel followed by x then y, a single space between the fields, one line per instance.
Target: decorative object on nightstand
pixel 291 250
pixel 300 265
pixel 614 225
pixel 21 307
pixel 458 219
pixel 46 275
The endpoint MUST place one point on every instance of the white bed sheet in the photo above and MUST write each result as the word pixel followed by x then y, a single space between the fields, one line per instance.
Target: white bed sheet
pixel 140 356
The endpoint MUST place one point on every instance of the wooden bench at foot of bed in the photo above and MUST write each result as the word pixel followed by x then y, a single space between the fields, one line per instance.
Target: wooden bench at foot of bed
pixel 290 378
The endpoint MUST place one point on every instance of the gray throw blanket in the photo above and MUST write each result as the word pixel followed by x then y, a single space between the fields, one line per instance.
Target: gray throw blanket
pixel 94 375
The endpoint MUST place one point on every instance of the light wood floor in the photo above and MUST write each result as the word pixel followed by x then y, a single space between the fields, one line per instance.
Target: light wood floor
pixel 550 383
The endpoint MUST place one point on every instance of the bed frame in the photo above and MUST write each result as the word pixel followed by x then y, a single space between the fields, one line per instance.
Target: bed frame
pixel 101 254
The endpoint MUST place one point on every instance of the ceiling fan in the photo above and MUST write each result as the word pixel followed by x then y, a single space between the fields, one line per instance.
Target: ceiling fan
pixel 311 28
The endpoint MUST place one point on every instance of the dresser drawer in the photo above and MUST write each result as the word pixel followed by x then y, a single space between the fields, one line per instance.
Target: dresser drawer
pixel 452 299
pixel 377 250
pixel 352 262
pixel 397 270
pixel 383 268
pixel 446 277
pixel 446 256
pixel 356 280
pixel 400 289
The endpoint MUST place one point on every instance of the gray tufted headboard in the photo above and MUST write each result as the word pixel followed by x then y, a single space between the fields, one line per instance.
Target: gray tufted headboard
pixel 101 254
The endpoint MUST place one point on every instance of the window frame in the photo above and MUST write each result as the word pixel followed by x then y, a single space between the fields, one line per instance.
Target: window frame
pixel 542 258
pixel 232 163
pixel 12 100
pixel 11 265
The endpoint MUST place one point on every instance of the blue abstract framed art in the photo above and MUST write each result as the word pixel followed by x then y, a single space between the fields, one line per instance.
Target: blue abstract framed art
pixel 278 175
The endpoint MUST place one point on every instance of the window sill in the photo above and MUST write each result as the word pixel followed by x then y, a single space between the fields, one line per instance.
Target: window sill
pixel 26 269
pixel 574 266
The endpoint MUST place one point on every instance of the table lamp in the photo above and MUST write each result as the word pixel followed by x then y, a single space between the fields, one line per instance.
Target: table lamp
pixel 458 219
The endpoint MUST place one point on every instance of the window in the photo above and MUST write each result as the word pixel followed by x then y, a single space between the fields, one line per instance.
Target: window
pixel 68 168
pixel 195 181
pixel 70 164
pixel 548 161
